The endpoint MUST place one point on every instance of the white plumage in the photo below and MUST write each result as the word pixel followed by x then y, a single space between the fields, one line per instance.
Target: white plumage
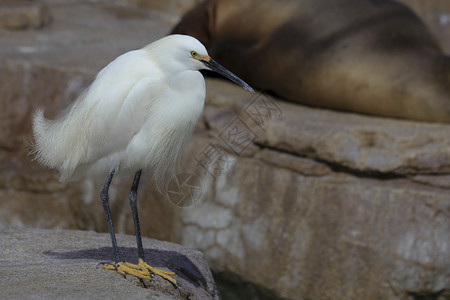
pixel 138 114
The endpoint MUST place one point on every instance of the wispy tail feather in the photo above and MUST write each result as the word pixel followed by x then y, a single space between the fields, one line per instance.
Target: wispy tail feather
pixel 49 147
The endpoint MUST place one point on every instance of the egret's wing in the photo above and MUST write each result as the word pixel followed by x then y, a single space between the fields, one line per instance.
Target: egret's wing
pixel 115 120
pixel 103 119
pixel 121 112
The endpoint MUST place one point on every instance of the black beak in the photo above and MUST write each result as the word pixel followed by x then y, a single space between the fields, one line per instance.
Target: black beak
pixel 216 67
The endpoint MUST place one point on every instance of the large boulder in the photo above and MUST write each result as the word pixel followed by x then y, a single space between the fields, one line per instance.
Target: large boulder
pixel 322 205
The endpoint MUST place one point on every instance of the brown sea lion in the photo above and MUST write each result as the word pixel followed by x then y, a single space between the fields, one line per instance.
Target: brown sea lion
pixel 368 56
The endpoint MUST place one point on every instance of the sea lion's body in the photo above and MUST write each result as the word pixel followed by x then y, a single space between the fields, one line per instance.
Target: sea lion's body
pixel 368 56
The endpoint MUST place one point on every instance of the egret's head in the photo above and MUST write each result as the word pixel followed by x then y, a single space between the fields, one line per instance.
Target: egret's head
pixel 184 52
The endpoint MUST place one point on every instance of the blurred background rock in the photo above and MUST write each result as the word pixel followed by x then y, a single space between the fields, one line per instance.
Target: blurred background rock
pixel 315 205
pixel 23 14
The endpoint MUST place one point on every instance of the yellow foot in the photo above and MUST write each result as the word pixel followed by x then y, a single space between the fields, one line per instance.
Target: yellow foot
pixel 141 270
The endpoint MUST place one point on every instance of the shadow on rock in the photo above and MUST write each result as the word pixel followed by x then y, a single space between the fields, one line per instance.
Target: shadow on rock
pixel 172 260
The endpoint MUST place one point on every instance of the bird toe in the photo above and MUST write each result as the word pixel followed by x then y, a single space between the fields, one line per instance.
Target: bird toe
pixel 140 270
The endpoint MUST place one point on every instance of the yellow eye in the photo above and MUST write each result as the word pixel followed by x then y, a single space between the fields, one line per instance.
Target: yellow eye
pixel 194 54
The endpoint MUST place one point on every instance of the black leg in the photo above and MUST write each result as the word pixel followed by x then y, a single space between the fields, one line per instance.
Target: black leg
pixel 134 211
pixel 105 202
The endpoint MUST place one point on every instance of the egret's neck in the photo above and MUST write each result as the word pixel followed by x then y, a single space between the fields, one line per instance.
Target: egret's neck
pixel 189 83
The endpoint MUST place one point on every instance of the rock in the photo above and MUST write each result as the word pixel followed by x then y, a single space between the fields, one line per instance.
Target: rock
pixel 24 14
pixel 336 225
pixel 51 264
pixel 361 144
pixel 287 200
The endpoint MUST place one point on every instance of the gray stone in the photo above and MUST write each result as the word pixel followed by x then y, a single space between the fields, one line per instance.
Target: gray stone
pixel 62 264
pixel 329 237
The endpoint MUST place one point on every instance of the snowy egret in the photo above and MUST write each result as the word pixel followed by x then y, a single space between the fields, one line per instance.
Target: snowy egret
pixel 138 114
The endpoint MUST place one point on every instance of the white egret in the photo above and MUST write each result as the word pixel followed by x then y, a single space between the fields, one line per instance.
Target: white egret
pixel 138 114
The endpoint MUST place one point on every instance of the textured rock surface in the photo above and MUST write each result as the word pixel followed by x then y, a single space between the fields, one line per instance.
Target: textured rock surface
pixel 307 203
pixel 55 264
pixel 332 201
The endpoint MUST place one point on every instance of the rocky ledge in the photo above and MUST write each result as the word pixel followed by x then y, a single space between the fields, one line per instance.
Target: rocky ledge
pixel 64 264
